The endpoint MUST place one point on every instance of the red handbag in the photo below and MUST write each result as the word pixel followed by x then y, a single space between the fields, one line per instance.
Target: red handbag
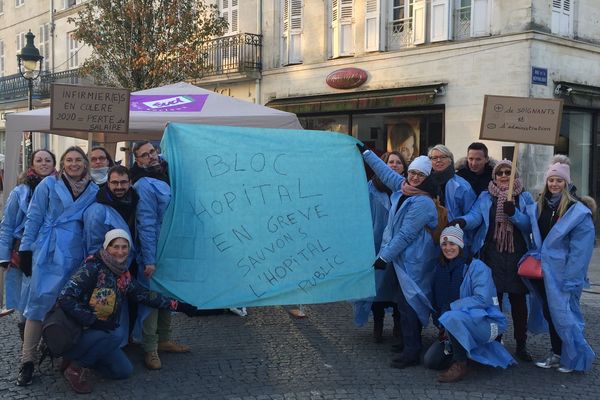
pixel 531 268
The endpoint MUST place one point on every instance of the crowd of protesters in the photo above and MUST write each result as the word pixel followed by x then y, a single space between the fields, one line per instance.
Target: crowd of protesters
pixel 458 276
pixel 449 237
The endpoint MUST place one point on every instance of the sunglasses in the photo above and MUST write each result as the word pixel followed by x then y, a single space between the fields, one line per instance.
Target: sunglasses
pixel 503 173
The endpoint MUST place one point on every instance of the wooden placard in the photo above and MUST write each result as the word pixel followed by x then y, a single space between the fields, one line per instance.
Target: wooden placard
pixel 521 119
pixel 89 109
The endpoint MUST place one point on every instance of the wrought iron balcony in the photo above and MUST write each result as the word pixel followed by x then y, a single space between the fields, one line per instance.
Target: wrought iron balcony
pixel 231 54
pixel 14 87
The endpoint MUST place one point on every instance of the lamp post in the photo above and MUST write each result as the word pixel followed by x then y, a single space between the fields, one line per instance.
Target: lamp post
pixel 28 59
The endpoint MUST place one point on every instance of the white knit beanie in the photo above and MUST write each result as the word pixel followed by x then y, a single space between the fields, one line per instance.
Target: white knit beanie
pixel 421 164
pixel 452 234
pixel 114 234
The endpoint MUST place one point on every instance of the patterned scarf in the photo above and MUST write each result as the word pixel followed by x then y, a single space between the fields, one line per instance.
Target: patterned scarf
pixel 32 179
pixel 112 264
pixel 503 229
pixel 77 186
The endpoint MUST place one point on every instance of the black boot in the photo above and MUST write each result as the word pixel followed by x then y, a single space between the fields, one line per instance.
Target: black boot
pixel 25 376
pixel 522 353
pixel 397 331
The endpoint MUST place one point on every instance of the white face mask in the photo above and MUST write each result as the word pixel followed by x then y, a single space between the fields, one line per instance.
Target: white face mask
pixel 99 175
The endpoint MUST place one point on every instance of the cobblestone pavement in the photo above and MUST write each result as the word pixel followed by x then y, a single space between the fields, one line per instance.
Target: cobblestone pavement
pixel 270 355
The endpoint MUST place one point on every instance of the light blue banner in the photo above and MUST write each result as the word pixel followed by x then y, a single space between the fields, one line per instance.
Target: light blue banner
pixel 264 217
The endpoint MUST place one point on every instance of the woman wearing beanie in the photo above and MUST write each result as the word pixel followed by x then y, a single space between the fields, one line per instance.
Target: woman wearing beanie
pixel 41 164
pixel 500 240
pixel 408 245
pixel 466 313
pixel 94 298
pixel 563 238
pixel 52 244
pixel 385 280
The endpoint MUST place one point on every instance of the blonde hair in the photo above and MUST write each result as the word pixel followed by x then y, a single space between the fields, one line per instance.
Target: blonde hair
pixel 565 199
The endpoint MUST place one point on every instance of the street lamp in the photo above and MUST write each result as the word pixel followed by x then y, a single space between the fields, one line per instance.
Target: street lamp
pixel 28 59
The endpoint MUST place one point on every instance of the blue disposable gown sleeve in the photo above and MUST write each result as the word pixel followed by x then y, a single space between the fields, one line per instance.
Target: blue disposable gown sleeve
pixel 9 223
pixel 581 246
pixel 93 232
pixel 388 176
pixel 147 223
pixel 474 218
pixel 418 215
pixel 482 289
pixel 520 219
pixel 465 195
pixel 35 214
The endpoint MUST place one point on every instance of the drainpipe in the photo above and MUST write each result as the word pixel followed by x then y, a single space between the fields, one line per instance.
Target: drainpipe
pixel 257 88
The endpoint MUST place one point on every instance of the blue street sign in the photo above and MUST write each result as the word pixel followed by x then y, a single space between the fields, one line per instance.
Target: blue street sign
pixel 539 76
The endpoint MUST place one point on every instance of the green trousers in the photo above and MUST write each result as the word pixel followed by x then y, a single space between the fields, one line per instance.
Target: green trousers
pixel 156 328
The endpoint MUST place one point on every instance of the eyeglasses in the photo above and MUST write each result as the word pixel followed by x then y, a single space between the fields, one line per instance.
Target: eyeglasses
pixel 504 172
pixel 98 159
pixel 417 173
pixel 118 183
pixel 147 154
pixel 438 158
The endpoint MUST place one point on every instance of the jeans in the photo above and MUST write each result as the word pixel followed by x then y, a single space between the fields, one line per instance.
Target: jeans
pixel 436 358
pixel 101 351
pixel 411 329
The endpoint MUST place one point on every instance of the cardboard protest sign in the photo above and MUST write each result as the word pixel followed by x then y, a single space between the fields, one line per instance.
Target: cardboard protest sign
pixel 264 217
pixel 89 109
pixel 521 119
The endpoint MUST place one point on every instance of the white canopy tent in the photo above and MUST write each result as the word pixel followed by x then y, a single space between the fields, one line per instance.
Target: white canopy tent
pixel 148 125
pixel 144 125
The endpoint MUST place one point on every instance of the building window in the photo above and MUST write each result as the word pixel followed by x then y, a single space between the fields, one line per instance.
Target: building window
pixel 19 3
pixel 70 3
pixel 575 140
pixel 1 58
pixel 341 27
pixel 21 41
pixel 229 11
pixel 72 50
pixel 44 46
pixel 400 25
pixel 291 24
pixel 1 7
pixel 562 17
pixel 374 35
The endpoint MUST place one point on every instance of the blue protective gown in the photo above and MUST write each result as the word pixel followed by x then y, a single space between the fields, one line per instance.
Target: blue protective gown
pixel 475 319
pixel 479 218
pixel 406 242
pixel 380 205
pixel 11 229
pixel 566 253
pixel 154 197
pixel 54 232
pixel 97 220
pixel 459 197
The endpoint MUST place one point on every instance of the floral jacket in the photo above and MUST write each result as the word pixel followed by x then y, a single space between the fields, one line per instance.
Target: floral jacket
pixel 95 292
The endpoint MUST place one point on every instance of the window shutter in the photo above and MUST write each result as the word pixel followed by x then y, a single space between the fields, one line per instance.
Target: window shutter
pixel 419 19
pixel 335 28
pixel 562 21
pixel 440 20
pixel 373 32
pixel 234 16
pixel 292 31
pixel 346 27
pixel 480 17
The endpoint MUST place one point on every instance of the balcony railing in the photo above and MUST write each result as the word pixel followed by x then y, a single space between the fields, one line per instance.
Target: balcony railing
pixel 231 54
pixel 14 87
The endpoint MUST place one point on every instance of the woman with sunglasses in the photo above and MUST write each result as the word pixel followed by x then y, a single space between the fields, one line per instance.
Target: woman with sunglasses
pixel 408 245
pixel 501 239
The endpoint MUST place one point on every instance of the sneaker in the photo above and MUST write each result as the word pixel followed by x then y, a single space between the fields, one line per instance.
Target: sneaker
pixel 564 370
pixel 6 311
pixel 552 361
pixel 25 374
pixel 173 347
pixel 152 361
pixel 456 372
pixel 77 378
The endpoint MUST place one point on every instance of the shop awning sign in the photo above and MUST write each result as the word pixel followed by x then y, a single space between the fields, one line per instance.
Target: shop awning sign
pixel 521 119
